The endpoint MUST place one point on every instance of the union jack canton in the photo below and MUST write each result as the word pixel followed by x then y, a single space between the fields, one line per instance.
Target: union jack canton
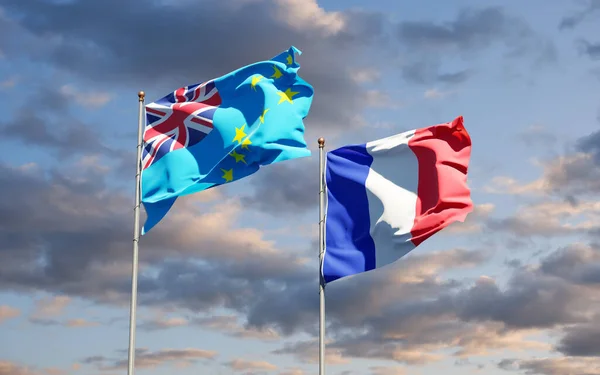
pixel 181 119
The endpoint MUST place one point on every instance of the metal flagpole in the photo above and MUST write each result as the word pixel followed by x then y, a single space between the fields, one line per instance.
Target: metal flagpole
pixel 136 237
pixel 321 253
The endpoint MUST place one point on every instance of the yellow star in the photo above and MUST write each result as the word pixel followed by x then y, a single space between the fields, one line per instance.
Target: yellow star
pixel 255 80
pixel 227 175
pixel 290 60
pixel 277 73
pixel 245 144
pixel 286 96
pixel 238 157
pixel 262 117
pixel 239 134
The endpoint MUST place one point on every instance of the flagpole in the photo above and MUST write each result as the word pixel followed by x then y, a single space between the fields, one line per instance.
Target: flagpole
pixel 136 237
pixel 321 253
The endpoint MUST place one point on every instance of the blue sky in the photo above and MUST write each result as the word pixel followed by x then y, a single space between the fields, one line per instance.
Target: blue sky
pixel 228 279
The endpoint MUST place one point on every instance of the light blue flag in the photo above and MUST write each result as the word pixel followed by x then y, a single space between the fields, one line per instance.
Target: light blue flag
pixel 222 130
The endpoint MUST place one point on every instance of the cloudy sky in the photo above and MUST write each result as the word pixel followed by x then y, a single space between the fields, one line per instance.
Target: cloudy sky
pixel 228 281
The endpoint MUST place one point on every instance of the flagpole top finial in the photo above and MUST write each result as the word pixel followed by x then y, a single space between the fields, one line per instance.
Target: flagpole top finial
pixel 141 95
pixel 321 142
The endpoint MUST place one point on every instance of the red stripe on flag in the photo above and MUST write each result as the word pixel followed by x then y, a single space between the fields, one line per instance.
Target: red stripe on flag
pixel 214 100
pixel 155 112
pixel 202 121
pixel 443 152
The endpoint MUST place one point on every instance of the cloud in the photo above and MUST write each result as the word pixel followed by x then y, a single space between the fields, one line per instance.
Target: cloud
pixel 11 368
pixel 248 365
pixel 52 126
pixel 571 175
pixel 69 211
pixel 145 358
pixel 365 75
pixel 379 99
pixel 224 324
pixel 472 28
pixel 576 263
pixel 293 371
pixel 415 342
pixel 299 13
pixel 549 218
pixel 554 366
pixel 8 312
pixel 379 370
pixel 505 306
pixel 308 352
pixel 199 260
pixel 70 323
pixel 11 47
pixel 122 55
pixel 538 298
pixel 163 323
pixel 436 94
pixel 475 222
pixel 508 185
pixel 568 175
pixel 573 20
pixel 537 135
pixel 86 99
pixel 206 256
pixel 472 31
pixel 361 347
pixel 582 340
pixel 295 309
pixel 50 307
pixel 55 371
pixel 8 83
pixel 33 130
pixel 592 50
pixel 284 188
pixel 590 144
pixel 230 325
pixel 469 320
pixel 456 77
pixel 79 322
pixel 419 335
pixel 467 362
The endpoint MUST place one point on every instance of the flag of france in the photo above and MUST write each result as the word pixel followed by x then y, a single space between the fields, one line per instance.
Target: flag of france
pixel 386 197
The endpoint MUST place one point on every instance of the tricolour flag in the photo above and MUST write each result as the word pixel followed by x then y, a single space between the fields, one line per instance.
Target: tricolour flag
pixel 222 130
pixel 386 197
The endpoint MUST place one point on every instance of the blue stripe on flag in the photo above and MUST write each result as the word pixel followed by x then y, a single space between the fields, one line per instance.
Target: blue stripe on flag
pixel 349 248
